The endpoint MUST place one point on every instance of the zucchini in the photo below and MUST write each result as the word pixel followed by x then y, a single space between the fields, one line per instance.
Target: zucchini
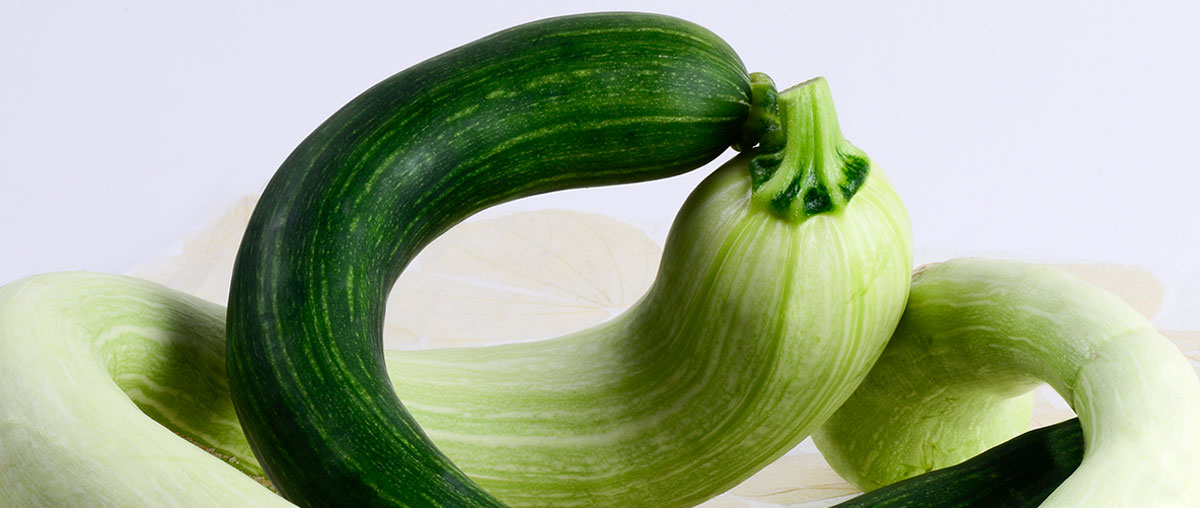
pixel 554 104
pixel 977 335
pixel 775 296
pixel 104 378
pixel 1019 473
pixel 757 326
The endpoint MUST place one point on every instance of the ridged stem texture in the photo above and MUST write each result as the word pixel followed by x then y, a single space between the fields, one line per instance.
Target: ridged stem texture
pixel 812 169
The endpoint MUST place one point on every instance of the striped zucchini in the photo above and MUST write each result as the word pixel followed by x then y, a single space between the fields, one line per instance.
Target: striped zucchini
pixel 775 295
pixel 555 104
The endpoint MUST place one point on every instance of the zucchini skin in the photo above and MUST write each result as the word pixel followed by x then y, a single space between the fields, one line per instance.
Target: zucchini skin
pixel 1019 473
pixel 555 104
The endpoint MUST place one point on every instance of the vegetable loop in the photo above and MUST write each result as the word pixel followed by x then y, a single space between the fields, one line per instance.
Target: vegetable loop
pixel 976 336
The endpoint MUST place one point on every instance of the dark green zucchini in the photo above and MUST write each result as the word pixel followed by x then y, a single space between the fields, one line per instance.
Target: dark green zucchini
pixel 1019 473
pixel 555 104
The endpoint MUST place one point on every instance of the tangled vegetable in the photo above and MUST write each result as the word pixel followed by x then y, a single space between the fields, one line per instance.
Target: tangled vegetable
pixel 784 276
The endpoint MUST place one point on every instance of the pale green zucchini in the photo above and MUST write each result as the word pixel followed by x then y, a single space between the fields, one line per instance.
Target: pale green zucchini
pixel 975 337
pixel 103 379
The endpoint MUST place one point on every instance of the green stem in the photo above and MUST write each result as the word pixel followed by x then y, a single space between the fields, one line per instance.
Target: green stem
pixel 804 166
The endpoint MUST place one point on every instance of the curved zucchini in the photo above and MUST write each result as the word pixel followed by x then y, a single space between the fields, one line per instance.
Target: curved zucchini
pixel 555 104
pixel 105 377
pixel 1019 473
pixel 978 334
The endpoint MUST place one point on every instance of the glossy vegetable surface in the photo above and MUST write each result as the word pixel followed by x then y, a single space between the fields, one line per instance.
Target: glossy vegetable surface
pixel 555 104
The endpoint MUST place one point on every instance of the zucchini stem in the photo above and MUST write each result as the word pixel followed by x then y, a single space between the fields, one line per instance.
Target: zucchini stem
pixel 764 114
pixel 805 166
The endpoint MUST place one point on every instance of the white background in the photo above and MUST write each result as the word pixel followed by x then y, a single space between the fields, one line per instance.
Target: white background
pixel 1058 131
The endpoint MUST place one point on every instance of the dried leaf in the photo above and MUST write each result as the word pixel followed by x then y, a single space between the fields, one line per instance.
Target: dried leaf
pixel 522 277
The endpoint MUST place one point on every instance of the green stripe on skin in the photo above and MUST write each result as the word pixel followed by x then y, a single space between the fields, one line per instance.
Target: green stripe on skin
pixel 978 334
